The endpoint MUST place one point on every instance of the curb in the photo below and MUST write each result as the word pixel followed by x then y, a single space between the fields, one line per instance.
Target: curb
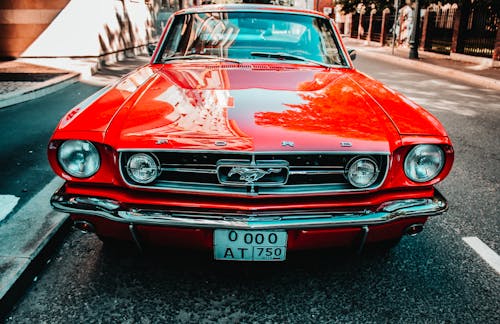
pixel 38 90
pixel 28 240
pixel 465 77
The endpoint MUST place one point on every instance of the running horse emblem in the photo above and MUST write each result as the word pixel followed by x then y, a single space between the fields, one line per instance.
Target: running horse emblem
pixel 251 175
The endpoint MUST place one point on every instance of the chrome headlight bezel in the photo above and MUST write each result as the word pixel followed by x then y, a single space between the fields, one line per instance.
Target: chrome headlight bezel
pixel 354 166
pixel 143 159
pixel 79 158
pixel 424 162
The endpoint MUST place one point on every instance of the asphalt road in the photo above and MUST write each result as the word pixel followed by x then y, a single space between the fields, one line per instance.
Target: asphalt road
pixel 433 277
pixel 26 130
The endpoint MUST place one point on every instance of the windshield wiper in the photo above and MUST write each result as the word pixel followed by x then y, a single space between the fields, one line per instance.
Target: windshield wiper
pixel 285 56
pixel 200 57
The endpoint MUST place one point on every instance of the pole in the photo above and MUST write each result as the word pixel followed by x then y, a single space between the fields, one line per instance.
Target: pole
pixel 394 25
pixel 415 33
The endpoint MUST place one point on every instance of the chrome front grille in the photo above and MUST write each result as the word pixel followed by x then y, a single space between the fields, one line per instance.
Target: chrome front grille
pixel 254 173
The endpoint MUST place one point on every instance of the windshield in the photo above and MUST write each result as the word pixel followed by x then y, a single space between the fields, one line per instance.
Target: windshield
pixel 252 36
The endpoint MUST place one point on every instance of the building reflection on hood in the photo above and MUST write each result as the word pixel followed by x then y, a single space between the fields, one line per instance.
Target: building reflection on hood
pixel 325 110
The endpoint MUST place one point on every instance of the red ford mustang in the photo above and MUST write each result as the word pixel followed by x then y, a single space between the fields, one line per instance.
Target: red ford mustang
pixel 251 134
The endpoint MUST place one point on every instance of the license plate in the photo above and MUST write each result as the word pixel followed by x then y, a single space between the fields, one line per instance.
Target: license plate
pixel 249 245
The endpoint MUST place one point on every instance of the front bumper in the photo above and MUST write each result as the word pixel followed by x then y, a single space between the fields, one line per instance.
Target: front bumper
pixel 290 219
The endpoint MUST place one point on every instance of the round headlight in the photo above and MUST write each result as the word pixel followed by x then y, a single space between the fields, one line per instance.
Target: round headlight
pixel 79 158
pixel 424 162
pixel 362 172
pixel 143 168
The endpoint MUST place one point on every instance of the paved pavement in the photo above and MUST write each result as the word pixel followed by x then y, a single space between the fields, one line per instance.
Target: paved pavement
pixel 21 81
pixel 476 71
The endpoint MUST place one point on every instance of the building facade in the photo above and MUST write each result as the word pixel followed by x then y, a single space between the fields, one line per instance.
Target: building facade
pixel 78 28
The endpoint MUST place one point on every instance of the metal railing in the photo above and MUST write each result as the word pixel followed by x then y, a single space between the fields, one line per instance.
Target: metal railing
pixel 445 29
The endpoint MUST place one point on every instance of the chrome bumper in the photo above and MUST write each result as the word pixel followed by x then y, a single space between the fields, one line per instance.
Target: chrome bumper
pixel 114 211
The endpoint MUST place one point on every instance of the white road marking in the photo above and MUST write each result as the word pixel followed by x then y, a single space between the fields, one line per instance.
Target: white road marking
pixel 484 252
pixel 7 204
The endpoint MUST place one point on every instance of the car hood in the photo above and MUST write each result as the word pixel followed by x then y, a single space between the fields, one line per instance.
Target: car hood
pixel 252 108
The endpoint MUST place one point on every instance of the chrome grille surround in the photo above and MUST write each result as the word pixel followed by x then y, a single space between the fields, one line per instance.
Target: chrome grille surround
pixel 306 172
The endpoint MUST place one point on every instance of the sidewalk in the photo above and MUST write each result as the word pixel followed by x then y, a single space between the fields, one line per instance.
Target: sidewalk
pixel 20 81
pixel 472 70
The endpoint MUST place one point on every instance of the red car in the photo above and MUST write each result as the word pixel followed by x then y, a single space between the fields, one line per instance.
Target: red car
pixel 250 134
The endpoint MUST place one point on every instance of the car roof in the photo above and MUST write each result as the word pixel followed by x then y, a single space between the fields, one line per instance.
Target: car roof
pixel 249 8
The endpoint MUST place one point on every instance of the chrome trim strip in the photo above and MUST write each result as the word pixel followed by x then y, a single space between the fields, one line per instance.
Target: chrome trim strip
pixel 135 237
pixel 316 172
pixel 177 165
pixel 195 10
pixel 180 150
pixel 114 211
pixel 239 190
pixel 189 170
pixel 319 167
pixel 365 229
pixel 209 171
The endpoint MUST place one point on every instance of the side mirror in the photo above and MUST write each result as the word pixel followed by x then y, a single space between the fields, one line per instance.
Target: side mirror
pixel 352 53
pixel 151 49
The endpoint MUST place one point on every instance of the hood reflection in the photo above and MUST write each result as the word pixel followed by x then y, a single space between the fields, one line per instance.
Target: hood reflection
pixel 331 110
pixel 196 107
pixel 178 110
